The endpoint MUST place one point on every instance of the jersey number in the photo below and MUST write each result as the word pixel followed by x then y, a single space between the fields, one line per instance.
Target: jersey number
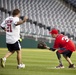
pixel 65 38
pixel 9 28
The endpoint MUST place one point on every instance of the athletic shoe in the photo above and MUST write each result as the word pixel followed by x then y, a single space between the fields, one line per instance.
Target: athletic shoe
pixel 72 66
pixel 3 63
pixel 59 66
pixel 21 66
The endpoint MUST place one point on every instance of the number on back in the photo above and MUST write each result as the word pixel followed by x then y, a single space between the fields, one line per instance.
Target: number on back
pixel 65 38
pixel 9 27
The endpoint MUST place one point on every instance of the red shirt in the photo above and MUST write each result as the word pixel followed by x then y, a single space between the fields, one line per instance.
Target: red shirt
pixel 62 41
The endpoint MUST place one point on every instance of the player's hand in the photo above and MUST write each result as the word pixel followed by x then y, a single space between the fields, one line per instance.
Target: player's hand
pixel 52 49
pixel 25 19
pixel 5 29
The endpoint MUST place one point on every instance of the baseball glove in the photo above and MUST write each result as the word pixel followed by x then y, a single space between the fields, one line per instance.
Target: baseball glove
pixel 42 45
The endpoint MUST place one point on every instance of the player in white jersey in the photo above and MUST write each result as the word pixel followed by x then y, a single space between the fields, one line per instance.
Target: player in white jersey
pixel 12 27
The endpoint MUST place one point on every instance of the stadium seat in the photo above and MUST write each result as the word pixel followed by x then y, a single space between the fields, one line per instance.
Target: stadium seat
pixel 45 12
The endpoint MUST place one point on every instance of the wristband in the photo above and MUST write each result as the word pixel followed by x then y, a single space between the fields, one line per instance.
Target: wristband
pixel 3 28
pixel 52 49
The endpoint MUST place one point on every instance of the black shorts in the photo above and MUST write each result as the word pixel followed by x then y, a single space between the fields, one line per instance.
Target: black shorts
pixel 14 47
pixel 67 53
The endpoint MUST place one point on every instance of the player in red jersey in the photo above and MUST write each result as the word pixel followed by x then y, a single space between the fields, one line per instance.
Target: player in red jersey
pixel 64 46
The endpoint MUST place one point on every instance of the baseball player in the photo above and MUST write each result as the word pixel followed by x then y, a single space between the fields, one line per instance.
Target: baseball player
pixel 11 25
pixel 64 46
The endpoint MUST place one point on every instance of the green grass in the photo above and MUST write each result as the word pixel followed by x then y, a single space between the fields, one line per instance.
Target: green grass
pixel 38 62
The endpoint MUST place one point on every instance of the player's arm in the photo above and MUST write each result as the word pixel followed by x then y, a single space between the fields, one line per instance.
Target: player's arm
pixel 42 45
pixel 28 20
pixel 3 26
pixel 22 21
pixel 52 49
pixel 56 46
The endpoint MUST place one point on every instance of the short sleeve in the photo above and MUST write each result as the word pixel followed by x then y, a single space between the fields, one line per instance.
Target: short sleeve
pixel 15 20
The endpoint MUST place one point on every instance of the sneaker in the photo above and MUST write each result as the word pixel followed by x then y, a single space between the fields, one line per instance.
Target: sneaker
pixel 72 66
pixel 59 66
pixel 3 63
pixel 21 66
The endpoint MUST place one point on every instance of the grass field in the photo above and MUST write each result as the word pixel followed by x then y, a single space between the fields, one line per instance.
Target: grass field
pixel 38 62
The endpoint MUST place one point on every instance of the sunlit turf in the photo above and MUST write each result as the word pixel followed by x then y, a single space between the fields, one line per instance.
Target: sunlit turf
pixel 38 62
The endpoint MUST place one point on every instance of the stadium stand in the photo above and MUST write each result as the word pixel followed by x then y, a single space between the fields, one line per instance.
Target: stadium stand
pixel 44 14
pixel 72 2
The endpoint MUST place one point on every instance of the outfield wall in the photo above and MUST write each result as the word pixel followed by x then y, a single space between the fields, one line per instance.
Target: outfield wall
pixel 26 43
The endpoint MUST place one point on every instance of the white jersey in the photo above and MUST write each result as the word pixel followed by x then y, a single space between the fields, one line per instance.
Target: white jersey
pixel 12 31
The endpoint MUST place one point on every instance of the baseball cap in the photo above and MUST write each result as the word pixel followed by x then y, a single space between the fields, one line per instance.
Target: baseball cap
pixel 53 31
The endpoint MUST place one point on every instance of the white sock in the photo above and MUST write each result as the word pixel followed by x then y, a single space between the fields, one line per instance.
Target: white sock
pixel 4 59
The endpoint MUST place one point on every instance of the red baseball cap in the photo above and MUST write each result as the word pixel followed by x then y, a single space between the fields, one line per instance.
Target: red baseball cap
pixel 54 31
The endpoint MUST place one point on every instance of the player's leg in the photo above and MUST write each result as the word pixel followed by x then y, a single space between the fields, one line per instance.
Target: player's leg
pixel 59 57
pixel 68 59
pixel 19 58
pixel 67 56
pixel 3 60
pixel 60 60
pixel 10 52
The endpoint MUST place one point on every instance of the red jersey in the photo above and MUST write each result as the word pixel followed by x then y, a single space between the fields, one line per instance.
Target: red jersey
pixel 62 41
